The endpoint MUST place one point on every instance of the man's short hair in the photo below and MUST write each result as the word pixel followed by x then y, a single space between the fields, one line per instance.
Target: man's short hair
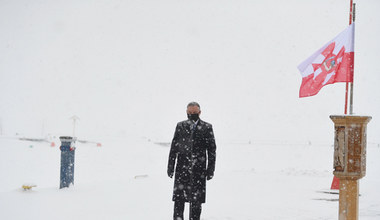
pixel 194 104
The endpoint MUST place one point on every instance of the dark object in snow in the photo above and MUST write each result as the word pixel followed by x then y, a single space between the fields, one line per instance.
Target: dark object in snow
pixel 329 192
pixel 164 144
pixel 329 200
pixel 67 161
pixel 332 192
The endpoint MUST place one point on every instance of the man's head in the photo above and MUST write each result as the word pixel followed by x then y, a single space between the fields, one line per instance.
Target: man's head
pixel 193 111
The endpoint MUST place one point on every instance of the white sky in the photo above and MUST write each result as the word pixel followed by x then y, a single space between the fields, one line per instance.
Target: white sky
pixel 128 68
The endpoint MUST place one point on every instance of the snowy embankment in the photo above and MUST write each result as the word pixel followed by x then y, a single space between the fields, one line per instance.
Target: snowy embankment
pixel 126 179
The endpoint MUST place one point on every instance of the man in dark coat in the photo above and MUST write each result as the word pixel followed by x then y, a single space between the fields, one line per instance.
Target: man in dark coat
pixel 193 148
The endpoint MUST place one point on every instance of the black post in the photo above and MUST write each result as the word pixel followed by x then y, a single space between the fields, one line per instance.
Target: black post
pixel 67 161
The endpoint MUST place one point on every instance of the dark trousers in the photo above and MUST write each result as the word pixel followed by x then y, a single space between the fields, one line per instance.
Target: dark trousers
pixel 195 210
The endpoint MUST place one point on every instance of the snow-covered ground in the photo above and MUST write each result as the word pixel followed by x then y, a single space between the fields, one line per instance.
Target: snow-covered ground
pixel 126 179
pixel 128 68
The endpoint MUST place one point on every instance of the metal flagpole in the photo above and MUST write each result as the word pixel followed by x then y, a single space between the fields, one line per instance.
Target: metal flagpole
pixel 352 83
pixel 346 98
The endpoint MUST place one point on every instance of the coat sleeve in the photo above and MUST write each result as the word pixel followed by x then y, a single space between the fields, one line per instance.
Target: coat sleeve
pixel 173 151
pixel 211 152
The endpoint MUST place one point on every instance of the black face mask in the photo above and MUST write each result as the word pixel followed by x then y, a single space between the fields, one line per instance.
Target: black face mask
pixel 193 117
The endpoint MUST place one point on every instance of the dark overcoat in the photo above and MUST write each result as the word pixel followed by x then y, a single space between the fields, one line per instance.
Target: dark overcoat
pixel 192 154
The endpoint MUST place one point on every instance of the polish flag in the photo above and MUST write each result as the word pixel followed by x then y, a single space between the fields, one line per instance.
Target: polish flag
pixel 333 63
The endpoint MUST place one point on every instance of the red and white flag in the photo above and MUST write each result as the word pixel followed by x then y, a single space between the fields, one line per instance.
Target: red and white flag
pixel 333 63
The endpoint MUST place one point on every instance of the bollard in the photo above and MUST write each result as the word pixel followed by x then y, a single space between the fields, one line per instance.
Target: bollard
pixel 67 161
pixel 349 161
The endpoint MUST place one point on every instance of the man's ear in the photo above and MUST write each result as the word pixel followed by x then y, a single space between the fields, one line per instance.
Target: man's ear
pixel 200 112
